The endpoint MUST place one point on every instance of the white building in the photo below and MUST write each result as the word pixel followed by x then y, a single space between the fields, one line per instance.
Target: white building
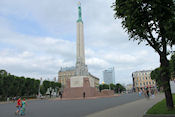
pixel 129 87
pixel 109 76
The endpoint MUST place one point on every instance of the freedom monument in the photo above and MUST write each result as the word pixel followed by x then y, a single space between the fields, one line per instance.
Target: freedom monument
pixel 82 83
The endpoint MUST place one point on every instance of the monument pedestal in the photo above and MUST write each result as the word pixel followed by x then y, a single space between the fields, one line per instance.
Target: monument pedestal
pixel 77 85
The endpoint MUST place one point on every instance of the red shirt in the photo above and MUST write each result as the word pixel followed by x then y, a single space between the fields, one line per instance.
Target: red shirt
pixel 19 102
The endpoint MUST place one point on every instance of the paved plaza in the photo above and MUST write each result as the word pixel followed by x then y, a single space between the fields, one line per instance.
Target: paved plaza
pixel 68 108
pixel 131 109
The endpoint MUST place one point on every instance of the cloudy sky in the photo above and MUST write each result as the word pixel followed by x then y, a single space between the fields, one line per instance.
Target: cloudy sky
pixel 38 37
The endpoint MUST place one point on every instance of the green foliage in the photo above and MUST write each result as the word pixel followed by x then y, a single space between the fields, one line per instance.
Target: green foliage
pixel 49 85
pixel 42 90
pixel 112 86
pixel 105 86
pixel 148 20
pixel 151 21
pixel 156 75
pixel 11 86
pixel 118 88
pixel 160 108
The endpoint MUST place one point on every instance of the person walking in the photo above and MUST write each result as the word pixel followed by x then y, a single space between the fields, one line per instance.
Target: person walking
pixel 140 93
pixel 18 106
pixel 147 93
pixel 152 93
pixel 23 107
pixel 84 95
pixel 60 94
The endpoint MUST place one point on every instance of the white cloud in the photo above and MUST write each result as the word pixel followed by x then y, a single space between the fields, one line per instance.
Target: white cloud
pixel 37 56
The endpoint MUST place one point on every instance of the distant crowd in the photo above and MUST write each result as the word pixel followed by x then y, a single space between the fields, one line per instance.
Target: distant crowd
pixel 148 93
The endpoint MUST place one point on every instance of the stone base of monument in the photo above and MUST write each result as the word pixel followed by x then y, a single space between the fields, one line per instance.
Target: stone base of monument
pixel 77 85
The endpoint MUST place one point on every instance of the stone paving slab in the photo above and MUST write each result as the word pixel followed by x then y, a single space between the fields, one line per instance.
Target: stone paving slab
pixel 133 109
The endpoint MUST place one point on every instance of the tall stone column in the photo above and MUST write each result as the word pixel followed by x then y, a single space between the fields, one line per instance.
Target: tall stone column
pixel 81 67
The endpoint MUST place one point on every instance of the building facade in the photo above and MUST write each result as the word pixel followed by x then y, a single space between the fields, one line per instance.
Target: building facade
pixel 109 76
pixel 66 73
pixel 142 80
pixel 129 87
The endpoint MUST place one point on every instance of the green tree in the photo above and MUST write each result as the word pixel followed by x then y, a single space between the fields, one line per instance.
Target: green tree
pixel 11 85
pixel 155 75
pixel 36 86
pixel 119 88
pixel 100 87
pixel 22 89
pixel 112 86
pixel 105 86
pixel 42 90
pixel 46 85
pixel 57 84
pixel 57 87
pixel 151 21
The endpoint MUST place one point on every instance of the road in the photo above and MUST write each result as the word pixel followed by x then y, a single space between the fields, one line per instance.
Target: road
pixel 67 108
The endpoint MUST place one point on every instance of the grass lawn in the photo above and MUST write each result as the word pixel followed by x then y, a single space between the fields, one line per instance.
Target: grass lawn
pixel 160 108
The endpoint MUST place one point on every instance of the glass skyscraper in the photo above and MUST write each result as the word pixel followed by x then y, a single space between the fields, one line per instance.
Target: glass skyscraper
pixel 109 76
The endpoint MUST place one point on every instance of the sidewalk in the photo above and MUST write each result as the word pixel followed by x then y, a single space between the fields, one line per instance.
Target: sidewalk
pixel 133 109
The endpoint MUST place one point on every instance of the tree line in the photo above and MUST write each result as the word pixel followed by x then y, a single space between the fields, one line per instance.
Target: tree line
pixel 14 86
pixel 118 88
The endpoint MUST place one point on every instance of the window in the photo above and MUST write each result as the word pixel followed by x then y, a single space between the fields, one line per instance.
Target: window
pixel 150 83
pixel 146 83
pixel 140 84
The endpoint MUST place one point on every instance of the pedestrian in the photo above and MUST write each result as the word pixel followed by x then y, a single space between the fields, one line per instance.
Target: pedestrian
pixel 23 107
pixel 140 93
pixel 14 99
pixel 152 93
pixel 147 93
pixel 60 94
pixel 84 95
pixel 18 105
